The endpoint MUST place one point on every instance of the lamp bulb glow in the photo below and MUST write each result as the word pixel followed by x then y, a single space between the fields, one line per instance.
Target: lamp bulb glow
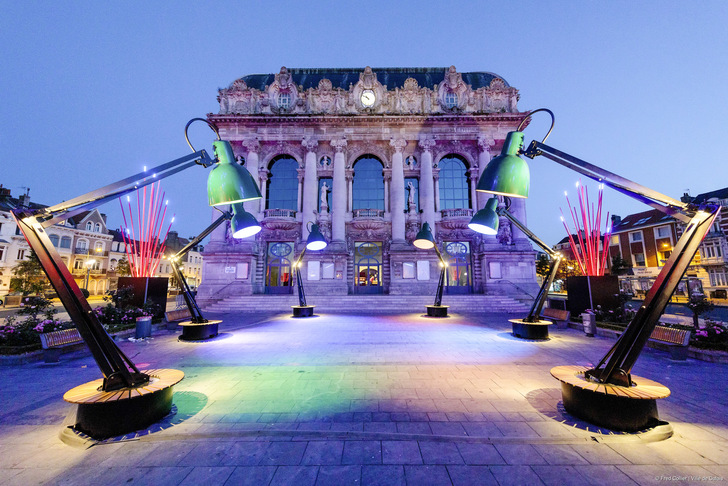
pixel 145 168
pixel 172 220
pixel 565 194
pixel 577 183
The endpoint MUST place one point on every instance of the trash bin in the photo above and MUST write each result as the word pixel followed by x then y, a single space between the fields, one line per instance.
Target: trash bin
pixel 590 323
pixel 143 327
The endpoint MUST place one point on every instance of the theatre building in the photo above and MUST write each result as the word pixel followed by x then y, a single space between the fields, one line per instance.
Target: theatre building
pixel 369 155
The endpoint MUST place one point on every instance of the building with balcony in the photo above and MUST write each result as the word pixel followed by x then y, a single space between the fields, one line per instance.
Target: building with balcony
pixel 368 155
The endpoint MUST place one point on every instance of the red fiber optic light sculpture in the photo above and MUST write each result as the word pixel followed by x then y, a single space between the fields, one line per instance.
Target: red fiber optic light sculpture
pixel 588 221
pixel 144 247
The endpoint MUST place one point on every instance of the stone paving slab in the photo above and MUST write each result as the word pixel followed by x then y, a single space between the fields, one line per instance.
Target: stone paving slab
pixel 366 400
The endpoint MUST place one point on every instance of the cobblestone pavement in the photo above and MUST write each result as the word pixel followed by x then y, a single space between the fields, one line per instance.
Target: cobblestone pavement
pixel 341 399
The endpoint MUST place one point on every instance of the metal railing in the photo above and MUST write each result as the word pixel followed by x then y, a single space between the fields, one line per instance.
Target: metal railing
pixel 456 213
pixel 369 213
pixel 279 213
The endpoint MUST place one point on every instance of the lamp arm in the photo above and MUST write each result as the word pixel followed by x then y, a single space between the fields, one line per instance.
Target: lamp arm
pixel 299 279
pixel 190 301
pixel 67 209
pixel 441 281
pixel 666 204
pixel 547 249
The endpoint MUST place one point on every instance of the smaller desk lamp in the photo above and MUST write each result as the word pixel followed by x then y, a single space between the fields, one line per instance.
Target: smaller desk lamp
pixel 315 242
pixel 425 240
pixel 242 225
pixel 486 221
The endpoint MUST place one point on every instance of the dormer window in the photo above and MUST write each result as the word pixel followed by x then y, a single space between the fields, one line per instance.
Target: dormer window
pixel 451 100
pixel 98 227
pixel 284 100
pixel 89 226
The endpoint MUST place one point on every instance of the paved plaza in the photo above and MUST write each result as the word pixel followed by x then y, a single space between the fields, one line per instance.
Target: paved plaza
pixel 380 399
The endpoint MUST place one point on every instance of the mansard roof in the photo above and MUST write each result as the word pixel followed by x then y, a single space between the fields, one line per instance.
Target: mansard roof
pixel 706 196
pixel 639 220
pixel 390 77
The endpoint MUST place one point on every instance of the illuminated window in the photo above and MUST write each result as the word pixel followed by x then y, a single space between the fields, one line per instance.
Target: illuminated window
pixel 454 193
pixel 614 240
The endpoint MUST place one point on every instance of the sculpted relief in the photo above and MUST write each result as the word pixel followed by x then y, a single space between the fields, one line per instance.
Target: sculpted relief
pixel 368 95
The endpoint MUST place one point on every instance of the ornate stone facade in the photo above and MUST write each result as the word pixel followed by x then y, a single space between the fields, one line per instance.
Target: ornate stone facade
pixel 329 120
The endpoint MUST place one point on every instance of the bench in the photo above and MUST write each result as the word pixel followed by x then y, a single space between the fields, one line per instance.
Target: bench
pixel 677 341
pixel 54 341
pixel 560 317
pixel 178 315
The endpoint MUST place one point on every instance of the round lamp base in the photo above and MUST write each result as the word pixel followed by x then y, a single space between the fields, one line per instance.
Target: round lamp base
pixel 302 310
pixel 193 331
pixel 102 414
pixel 530 330
pixel 437 310
pixel 622 408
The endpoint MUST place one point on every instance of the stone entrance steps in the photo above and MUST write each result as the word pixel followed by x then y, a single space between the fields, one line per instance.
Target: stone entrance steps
pixel 380 304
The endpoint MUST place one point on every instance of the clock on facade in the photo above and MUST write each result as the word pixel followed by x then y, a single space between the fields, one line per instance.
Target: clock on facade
pixel 368 97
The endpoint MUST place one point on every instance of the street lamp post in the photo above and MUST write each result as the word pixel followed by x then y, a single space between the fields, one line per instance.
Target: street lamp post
pixel 89 263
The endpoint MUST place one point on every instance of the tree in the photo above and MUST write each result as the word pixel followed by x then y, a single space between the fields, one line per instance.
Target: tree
pixel 122 267
pixel 620 266
pixel 543 265
pixel 29 277
pixel 568 268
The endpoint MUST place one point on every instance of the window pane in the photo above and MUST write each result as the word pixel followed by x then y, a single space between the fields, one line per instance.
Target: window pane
pixel 283 184
pixel 368 184
pixel 454 193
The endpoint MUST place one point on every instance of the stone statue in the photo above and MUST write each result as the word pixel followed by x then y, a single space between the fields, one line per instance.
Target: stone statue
pixel 411 196
pixel 324 198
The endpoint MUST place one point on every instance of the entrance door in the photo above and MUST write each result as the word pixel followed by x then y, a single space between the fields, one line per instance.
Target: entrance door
pixel 459 270
pixel 278 268
pixel 368 267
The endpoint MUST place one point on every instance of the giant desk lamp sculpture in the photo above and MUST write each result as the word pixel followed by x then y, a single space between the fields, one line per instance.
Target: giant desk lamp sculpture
pixel 608 394
pixel 126 399
pixel 315 242
pixel 486 221
pixel 425 241
pixel 242 225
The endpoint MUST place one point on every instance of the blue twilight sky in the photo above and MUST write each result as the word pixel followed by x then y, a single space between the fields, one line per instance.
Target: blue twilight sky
pixel 92 91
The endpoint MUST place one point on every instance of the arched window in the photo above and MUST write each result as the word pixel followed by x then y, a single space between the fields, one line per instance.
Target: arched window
pixel 282 190
pixel 454 193
pixel 112 264
pixel 89 226
pixel 54 240
pixel 65 242
pixel 368 183
pixel 98 228
pixel 99 247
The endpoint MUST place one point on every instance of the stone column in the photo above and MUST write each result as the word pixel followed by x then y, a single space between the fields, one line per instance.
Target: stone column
pixel 473 178
pixel 310 186
pixel 436 178
pixel 350 189
pixel 263 177
pixel 338 192
pixel 252 145
pixel 396 190
pixel 387 174
pixel 485 142
pixel 427 183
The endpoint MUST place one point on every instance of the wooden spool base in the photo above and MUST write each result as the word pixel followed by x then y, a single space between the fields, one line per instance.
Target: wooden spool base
pixel 102 414
pixel 530 330
pixel 302 310
pixel 194 331
pixel 628 409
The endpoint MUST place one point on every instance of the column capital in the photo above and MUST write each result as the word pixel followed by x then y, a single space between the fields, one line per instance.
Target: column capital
pixel 427 144
pixel 251 144
pixel 398 143
pixel 339 144
pixel 309 143
pixel 263 174
pixel 485 142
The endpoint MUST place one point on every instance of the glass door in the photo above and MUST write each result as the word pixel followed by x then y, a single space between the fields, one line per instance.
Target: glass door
pixel 459 269
pixel 368 267
pixel 278 278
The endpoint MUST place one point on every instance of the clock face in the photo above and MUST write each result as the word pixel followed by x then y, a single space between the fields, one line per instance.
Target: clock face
pixel 367 97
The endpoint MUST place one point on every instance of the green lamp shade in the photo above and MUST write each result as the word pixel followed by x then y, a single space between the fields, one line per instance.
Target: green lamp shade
pixel 229 182
pixel 507 174
pixel 424 239
pixel 485 221
pixel 243 224
pixel 316 240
